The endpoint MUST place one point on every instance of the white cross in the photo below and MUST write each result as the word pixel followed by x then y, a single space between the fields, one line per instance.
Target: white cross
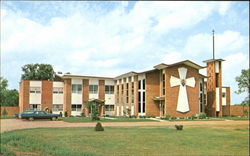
pixel 182 105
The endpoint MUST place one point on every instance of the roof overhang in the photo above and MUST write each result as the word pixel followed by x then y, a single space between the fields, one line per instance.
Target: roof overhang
pixel 66 76
pixel 213 60
pixel 161 66
pixel 98 101
pixel 132 73
pixel 188 63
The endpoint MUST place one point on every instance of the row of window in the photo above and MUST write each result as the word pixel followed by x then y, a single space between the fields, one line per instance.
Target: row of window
pixel 93 89
pixel 127 93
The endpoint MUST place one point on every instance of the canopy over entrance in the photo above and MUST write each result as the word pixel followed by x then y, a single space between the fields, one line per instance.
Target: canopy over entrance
pixel 157 98
pixel 97 101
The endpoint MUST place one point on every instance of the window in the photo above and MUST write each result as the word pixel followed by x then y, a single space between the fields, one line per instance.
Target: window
pixel 139 101
pixel 35 106
pixel 77 88
pixel 122 89
pixel 163 84
pixel 201 87
pixel 223 94
pixel 132 86
pixel 201 98
pixel 143 84
pixel 76 107
pixel 132 99
pixel 143 103
pixel 205 98
pixel 127 94
pixel 57 90
pixel 36 90
pixel 217 79
pixel 109 107
pixel 139 84
pixel 93 89
pixel 109 89
pixel 57 107
pixel 117 89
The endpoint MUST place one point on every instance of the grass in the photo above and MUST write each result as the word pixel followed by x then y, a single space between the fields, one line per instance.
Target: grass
pixel 236 118
pixel 126 141
pixel 88 119
pixel 7 116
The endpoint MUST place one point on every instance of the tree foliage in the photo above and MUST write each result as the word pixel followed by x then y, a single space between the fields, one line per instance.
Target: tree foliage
pixel 38 72
pixel 7 97
pixel 243 84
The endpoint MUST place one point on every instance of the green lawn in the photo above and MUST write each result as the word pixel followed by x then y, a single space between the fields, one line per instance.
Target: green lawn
pixel 88 119
pixel 7 117
pixel 126 141
pixel 236 118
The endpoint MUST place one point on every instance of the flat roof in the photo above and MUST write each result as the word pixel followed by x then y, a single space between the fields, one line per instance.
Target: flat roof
pixel 84 76
pixel 212 60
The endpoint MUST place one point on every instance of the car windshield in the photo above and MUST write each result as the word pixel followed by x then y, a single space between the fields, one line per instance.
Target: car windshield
pixel 29 112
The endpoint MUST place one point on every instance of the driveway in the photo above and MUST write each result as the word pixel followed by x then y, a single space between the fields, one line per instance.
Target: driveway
pixel 14 124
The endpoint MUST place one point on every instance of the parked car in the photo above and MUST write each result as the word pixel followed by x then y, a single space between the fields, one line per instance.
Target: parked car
pixel 37 114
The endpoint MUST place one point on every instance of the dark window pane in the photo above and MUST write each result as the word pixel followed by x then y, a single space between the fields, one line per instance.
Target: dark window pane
pixel 143 84
pixel 143 107
pixel 139 84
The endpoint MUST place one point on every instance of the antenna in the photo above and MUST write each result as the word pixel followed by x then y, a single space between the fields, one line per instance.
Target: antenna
pixel 213 44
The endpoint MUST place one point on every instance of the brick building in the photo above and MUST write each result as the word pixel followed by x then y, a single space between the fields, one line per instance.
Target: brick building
pixel 177 90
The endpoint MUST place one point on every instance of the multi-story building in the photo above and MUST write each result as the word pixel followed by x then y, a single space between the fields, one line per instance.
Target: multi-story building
pixel 177 90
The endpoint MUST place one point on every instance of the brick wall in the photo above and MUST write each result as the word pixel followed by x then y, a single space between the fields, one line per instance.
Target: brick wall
pixel 85 95
pixel 67 96
pixel 136 94
pixel 24 95
pixel 10 110
pixel 171 97
pixel 101 94
pixel 152 90
pixel 47 95
pixel 238 110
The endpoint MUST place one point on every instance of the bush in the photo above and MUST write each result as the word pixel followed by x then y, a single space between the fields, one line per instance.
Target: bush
pixel 173 118
pixel 150 116
pixel 4 113
pixel 106 115
pixel 141 116
pixel 65 114
pixel 202 116
pixel 60 114
pixel 82 114
pixel 165 118
pixel 179 127
pixel 193 117
pixel 99 127
pixel 132 116
pixel 95 118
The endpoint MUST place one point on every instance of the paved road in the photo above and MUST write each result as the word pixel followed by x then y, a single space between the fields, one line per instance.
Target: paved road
pixel 13 124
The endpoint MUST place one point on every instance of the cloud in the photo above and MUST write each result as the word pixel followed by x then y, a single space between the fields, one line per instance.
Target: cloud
pixel 172 57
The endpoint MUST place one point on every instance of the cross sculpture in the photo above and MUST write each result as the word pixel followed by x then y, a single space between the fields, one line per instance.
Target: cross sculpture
pixel 182 104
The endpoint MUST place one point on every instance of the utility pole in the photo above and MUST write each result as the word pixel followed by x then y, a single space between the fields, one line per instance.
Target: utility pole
pixel 213 44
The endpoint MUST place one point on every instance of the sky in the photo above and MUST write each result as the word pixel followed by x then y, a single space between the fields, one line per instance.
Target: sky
pixel 112 38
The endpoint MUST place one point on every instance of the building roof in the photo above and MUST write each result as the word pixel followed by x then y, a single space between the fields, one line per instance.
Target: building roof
pixel 161 66
pixel 132 73
pixel 212 60
pixel 188 63
pixel 83 76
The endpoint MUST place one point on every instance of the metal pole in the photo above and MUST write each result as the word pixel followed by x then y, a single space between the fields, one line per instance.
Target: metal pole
pixel 213 44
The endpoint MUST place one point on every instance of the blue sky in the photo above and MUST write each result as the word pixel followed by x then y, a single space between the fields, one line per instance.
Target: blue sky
pixel 112 38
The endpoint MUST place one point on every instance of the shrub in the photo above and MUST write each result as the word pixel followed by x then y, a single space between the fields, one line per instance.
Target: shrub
pixel 202 115
pixel 173 118
pixel 60 114
pixel 65 114
pixel 106 115
pixel 132 116
pixel 82 114
pixel 193 117
pixel 4 113
pixel 50 111
pixel 245 112
pixel 99 127
pixel 95 118
pixel 141 116
pixel 179 127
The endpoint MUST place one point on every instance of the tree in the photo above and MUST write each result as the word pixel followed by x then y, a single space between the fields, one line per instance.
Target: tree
pixel 7 97
pixel 3 87
pixel 38 72
pixel 243 85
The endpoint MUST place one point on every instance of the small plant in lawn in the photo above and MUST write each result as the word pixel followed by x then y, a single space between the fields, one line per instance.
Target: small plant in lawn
pixel 65 114
pixel 132 116
pixel 245 112
pixel 4 113
pixel 179 127
pixel 99 127
pixel 60 114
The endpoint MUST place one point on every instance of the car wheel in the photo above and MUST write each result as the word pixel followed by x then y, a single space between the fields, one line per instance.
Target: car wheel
pixel 53 118
pixel 31 118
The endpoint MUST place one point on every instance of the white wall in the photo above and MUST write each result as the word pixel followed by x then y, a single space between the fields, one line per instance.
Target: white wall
pixel 217 67
pixel 35 83
pixel 224 99
pixel 109 82
pixel 93 81
pixel 109 98
pixel 75 97
pixel 35 98
pixel 217 99
pixel 117 111
pixel 58 98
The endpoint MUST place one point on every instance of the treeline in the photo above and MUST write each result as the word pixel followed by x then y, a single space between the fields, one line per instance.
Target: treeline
pixel 8 97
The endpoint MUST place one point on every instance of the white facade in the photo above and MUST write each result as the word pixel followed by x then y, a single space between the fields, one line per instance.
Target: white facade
pixel 35 98
pixel 57 98
pixel 217 99
pixel 76 98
